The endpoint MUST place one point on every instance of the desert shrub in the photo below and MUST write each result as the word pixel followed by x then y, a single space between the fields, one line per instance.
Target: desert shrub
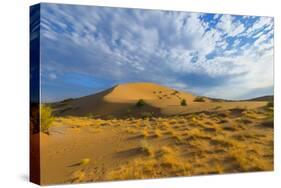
pixel 174 92
pixel 46 118
pixel 199 99
pixel 183 102
pixel 157 133
pixel 146 148
pixel 144 133
pixel 140 103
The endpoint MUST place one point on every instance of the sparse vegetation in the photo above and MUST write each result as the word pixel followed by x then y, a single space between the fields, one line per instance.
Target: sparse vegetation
pixel 144 133
pixel 157 133
pixel 146 148
pixel 174 92
pixel 183 102
pixel 140 103
pixel 85 161
pixel 224 141
pixel 199 99
pixel 46 118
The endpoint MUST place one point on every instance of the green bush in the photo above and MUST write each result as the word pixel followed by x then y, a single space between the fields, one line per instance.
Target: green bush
pixel 183 102
pixel 46 118
pixel 199 99
pixel 174 92
pixel 140 103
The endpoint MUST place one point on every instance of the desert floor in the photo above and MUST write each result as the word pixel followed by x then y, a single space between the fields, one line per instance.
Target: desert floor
pixel 83 149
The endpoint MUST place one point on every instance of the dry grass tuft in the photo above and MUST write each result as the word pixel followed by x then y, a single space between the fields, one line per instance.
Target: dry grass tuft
pixel 166 150
pixel 248 162
pixel 85 161
pixel 157 133
pixel 77 176
pixel 147 148
pixel 167 165
pixel 144 133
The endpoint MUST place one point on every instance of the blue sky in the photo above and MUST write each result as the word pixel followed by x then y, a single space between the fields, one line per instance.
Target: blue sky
pixel 86 49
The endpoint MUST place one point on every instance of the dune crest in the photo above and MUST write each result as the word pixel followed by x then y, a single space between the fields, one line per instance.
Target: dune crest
pixel 121 101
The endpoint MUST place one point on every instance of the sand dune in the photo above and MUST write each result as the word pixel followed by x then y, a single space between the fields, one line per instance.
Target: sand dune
pixel 120 101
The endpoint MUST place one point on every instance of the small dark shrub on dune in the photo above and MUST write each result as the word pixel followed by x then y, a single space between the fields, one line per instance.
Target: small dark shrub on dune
pixel 140 103
pixel 183 102
pixel 175 92
pixel 199 99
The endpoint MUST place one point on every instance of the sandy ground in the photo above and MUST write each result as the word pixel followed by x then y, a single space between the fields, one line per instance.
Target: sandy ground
pixel 226 140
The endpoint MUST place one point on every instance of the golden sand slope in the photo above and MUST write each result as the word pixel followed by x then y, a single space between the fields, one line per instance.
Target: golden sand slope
pixel 88 149
pixel 120 101
pixel 154 94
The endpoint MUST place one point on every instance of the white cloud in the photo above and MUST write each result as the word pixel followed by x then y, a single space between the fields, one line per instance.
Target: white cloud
pixel 262 23
pixel 229 26
pixel 158 46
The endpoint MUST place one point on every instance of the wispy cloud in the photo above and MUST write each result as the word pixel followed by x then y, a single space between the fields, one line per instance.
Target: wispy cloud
pixel 207 54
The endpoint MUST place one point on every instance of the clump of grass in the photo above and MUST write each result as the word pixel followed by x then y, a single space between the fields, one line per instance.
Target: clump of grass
pixel 225 141
pixel 199 99
pixel 173 121
pixel 136 169
pixel 140 103
pixel 131 131
pixel 219 169
pixel 183 102
pixel 174 92
pixel 165 166
pixel 85 161
pixel 181 121
pixel 177 138
pixel 164 150
pixel 144 133
pixel 163 125
pixel 194 133
pixel 157 133
pixel 253 115
pixel 46 118
pixel 170 131
pixel 146 148
pixel 77 176
pixel 247 162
